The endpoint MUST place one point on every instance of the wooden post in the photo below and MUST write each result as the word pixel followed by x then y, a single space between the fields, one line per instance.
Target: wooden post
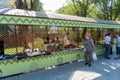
pixel 32 38
pixel 16 39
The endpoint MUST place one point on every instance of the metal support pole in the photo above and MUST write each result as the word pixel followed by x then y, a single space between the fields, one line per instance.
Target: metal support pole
pixel 16 39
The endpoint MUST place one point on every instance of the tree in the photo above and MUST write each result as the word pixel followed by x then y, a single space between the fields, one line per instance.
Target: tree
pixel 116 10
pixel 81 7
pixel 109 8
pixel 68 10
pixel 29 5
pixel 36 5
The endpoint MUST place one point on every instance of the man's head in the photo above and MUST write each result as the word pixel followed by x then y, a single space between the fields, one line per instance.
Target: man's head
pixel 87 36
pixel 68 34
pixel 109 34
pixel 116 34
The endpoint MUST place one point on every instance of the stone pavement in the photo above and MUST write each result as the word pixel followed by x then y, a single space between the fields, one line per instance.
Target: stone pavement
pixel 103 69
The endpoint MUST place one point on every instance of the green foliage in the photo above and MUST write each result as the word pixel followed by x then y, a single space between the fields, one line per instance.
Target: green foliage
pixel 109 9
pixel 98 9
pixel 116 10
pixel 69 10
pixel 37 6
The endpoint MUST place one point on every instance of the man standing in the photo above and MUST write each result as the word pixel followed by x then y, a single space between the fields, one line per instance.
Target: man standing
pixel 89 48
pixel 107 45
pixel 117 46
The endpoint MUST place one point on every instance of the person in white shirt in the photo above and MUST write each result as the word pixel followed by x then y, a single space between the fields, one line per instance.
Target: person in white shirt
pixel 107 39
pixel 117 46
pixel 107 45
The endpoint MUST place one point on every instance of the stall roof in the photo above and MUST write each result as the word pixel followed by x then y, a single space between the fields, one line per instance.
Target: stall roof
pixel 19 12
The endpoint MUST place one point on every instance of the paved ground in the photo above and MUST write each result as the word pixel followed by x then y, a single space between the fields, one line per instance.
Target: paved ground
pixel 102 69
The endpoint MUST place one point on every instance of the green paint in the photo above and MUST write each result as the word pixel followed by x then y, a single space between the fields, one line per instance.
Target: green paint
pixel 13 66
pixel 16 20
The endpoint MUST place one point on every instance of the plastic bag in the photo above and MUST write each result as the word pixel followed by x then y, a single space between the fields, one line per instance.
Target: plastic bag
pixel 94 56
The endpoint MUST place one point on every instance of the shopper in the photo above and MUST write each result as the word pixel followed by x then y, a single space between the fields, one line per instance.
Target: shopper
pixel 117 46
pixel 89 47
pixel 107 45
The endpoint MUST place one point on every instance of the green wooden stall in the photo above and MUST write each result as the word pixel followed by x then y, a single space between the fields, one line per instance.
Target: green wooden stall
pixel 22 17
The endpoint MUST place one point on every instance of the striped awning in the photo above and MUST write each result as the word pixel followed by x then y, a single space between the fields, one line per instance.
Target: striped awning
pixel 19 12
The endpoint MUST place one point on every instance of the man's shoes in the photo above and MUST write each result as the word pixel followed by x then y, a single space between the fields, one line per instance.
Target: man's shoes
pixel 117 58
pixel 111 54
pixel 89 65
pixel 108 58
pixel 86 63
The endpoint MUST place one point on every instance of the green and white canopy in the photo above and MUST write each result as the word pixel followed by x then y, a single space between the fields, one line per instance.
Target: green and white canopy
pixel 24 17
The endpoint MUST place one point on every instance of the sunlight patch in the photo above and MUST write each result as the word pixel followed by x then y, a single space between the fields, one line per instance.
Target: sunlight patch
pixel 112 67
pixel 103 63
pixel 84 75
pixel 106 70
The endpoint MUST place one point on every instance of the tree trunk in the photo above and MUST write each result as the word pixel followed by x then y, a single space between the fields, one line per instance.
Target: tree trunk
pixel 25 5
pixel 31 3
pixel 85 15
pixel 83 33
pixel 19 4
pixel 86 8
pixel 116 15
pixel 77 12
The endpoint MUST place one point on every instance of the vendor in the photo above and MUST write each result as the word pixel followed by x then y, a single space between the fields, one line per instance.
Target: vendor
pixel 57 43
pixel 47 39
pixel 66 40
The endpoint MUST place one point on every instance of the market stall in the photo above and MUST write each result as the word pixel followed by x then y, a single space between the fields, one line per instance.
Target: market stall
pixel 35 40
